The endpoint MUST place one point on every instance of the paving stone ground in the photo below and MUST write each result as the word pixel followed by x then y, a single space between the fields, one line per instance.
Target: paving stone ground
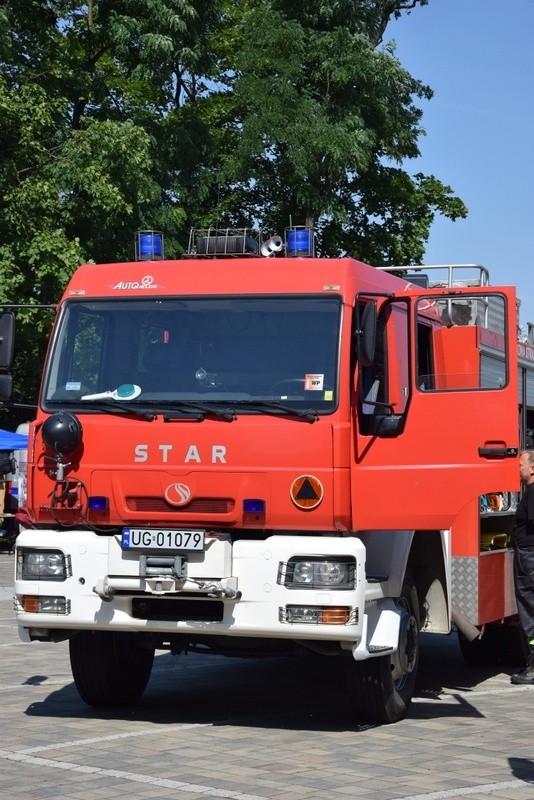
pixel 213 727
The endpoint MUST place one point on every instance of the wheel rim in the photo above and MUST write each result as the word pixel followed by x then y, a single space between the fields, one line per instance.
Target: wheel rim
pixel 404 660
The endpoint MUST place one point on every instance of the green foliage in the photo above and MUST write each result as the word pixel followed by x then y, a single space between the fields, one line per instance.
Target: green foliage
pixel 324 120
pixel 119 115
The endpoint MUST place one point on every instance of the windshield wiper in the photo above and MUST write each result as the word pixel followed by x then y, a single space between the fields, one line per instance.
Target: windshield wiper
pixel 192 406
pixel 189 407
pixel 277 409
pixel 194 409
pixel 116 407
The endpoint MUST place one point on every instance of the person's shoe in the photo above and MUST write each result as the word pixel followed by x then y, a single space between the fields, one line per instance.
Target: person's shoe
pixel 526 676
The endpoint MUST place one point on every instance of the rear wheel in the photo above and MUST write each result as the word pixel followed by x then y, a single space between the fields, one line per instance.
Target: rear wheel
pixel 111 670
pixel 381 688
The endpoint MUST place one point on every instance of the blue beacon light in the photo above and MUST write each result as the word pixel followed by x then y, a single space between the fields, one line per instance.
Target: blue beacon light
pixel 149 246
pixel 299 242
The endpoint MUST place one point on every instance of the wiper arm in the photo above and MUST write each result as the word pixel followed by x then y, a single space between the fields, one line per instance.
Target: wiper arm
pixel 270 407
pixel 190 406
pixel 116 407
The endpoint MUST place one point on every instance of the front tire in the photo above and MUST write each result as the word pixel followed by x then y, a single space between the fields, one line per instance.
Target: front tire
pixel 110 670
pixel 381 688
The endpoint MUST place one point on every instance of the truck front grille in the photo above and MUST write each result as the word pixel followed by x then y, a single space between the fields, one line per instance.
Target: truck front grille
pixel 201 505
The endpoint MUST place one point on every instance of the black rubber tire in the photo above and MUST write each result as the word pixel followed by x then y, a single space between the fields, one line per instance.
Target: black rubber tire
pixel 502 644
pixel 111 670
pixel 377 695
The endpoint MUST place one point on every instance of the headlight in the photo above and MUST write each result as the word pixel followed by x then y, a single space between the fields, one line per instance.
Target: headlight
pixel 317 573
pixel 39 565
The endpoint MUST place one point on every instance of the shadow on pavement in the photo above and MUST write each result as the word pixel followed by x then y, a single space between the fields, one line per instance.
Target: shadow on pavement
pixel 522 768
pixel 303 694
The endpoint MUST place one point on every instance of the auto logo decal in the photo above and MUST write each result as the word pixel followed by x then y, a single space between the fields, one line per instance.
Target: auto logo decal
pixel 146 282
pixel 178 494
pixel 307 492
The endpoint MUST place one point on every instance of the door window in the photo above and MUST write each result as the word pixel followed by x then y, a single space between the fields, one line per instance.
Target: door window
pixel 461 343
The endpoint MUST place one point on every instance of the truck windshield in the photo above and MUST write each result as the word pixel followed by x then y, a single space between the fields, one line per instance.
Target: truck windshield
pixel 204 349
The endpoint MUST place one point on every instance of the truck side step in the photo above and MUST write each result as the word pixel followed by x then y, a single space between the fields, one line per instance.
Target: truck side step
pixel 376 578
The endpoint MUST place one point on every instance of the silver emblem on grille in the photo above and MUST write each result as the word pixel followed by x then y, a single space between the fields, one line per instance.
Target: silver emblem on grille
pixel 177 494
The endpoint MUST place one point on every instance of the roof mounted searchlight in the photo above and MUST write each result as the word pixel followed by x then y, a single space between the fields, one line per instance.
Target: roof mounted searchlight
pixel 273 245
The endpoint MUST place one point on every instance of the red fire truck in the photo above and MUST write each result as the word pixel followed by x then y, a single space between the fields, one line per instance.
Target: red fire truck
pixel 253 451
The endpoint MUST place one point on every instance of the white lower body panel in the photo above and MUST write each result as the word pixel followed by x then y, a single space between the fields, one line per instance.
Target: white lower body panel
pixel 244 577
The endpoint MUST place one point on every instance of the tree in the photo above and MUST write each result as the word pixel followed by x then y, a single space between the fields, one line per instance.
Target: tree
pixel 90 96
pixel 323 121
pixel 119 115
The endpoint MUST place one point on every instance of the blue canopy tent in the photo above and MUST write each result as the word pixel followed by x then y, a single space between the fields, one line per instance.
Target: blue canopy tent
pixel 12 441
pixel 9 443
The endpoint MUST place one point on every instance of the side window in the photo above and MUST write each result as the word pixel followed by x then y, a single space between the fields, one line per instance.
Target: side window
pixel 425 356
pixel 461 343
pixel 373 376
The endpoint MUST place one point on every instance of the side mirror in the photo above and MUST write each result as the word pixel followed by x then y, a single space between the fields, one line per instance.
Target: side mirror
pixel 6 388
pixel 7 340
pixel 387 425
pixel 368 333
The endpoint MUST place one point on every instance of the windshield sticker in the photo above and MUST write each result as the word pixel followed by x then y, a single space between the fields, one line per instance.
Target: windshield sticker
pixel 73 386
pixel 313 382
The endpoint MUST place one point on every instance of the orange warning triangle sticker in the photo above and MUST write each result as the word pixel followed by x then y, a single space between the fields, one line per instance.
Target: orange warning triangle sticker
pixel 307 491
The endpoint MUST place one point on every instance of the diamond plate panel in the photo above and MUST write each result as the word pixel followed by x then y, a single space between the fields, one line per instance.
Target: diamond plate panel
pixel 464 585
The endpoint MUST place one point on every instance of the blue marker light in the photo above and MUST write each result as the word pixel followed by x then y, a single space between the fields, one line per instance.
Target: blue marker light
pixel 98 503
pixel 253 506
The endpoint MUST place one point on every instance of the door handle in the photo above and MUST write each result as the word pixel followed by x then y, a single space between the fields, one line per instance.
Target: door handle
pixel 498 452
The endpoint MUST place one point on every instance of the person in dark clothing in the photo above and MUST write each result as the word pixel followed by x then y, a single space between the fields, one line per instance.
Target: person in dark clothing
pixel 523 544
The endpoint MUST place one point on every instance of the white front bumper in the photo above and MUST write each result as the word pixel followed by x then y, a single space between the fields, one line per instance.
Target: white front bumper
pixel 248 570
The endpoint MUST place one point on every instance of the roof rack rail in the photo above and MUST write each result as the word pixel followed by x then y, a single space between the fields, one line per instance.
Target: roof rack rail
pixel 477 275
pixel 484 311
pixel 216 242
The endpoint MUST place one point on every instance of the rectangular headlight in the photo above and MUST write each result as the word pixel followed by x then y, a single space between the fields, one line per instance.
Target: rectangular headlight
pixel 316 572
pixel 42 565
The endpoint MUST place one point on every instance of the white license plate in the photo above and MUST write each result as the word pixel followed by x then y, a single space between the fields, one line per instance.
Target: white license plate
pixel 161 539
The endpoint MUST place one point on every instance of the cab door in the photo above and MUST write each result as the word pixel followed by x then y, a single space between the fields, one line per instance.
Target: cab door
pixel 435 406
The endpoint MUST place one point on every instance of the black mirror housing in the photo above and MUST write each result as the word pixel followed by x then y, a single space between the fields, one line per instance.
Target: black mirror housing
pixel 6 388
pixel 7 340
pixel 368 333
pixel 387 425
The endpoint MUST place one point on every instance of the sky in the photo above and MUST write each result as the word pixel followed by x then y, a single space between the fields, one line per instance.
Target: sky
pixel 478 58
